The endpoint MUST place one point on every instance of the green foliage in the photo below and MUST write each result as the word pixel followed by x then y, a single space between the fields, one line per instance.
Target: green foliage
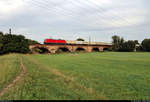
pixel 139 48
pixel 37 50
pixel 1 37
pixel 14 43
pixel 116 42
pixel 119 44
pixel 128 46
pixel 1 33
pixel 59 51
pixel 136 41
pixel 146 44
pixel 110 49
pixel 30 42
pixel 80 39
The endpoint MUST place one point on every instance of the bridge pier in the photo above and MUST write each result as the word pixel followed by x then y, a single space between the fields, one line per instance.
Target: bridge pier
pixel 89 49
pixel 53 51
pixel 101 49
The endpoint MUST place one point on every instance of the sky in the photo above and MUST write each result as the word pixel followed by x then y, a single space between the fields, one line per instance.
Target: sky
pixel 71 19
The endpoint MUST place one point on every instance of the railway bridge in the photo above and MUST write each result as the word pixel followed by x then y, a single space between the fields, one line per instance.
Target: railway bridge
pixel 69 48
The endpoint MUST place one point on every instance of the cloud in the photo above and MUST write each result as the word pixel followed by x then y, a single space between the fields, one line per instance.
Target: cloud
pixel 10 8
pixel 64 18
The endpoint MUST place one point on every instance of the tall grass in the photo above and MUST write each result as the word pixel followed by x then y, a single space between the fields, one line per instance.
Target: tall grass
pixel 9 69
pixel 116 75
pixel 82 76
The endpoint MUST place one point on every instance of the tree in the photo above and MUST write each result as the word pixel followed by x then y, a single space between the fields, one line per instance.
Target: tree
pixel 1 44
pixel 119 44
pixel 116 42
pixel 31 42
pixel 139 48
pixel 80 39
pixel 146 44
pixel 136 41
pixel 1 33
pixel 128 46
pixel 14 43
pixel 10 43
pixel 122 40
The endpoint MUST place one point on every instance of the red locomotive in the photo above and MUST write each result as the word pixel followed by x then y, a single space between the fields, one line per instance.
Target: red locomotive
pixel 54 41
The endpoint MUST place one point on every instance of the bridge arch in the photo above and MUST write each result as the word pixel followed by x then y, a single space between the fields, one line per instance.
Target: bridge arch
pixel 80 49
pixel 95 49
pixel 40 50
pixel 105 49
pixel 63 49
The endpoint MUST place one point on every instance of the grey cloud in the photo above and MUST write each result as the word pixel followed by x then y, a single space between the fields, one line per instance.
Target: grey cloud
pixel 66 19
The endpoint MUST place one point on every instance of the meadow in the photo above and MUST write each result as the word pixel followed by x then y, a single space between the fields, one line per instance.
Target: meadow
pixel 78 76
pixel 9 69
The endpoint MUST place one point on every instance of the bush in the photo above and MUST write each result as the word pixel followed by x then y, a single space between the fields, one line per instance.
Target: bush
pixel 110 49
pixel 14 44
pixel 119 44
pixel 139 48
pixel 128 46
pixel 146 44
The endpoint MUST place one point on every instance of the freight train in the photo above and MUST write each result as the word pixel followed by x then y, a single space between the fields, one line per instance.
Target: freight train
pixel 62 42
pixel 69 42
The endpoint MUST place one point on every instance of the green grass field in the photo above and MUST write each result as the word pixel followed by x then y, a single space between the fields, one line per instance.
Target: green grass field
pixel 9 68
pixel 78 76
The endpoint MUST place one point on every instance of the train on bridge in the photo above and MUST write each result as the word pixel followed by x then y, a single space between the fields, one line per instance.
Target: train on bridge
pixel 73 42
pixel 54 46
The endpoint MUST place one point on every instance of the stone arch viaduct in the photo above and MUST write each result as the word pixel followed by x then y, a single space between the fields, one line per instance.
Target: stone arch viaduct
pixel 71 48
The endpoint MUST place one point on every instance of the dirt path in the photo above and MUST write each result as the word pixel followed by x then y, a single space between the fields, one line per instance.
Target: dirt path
pixel 19 77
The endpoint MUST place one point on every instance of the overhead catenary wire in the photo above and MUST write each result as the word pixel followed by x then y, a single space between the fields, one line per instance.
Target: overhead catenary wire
pixel 98 15
pixel 97 7
pixel 70 13
pixel 64 12
pixel 56 12
pixel 114 15
pixel 57 9
pixel 101 10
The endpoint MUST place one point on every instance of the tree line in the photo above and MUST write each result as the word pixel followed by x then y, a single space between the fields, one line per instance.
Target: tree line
pixel 11 43
pixel 119 44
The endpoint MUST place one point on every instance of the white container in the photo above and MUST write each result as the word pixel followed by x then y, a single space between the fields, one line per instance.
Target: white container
pixel 79 42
